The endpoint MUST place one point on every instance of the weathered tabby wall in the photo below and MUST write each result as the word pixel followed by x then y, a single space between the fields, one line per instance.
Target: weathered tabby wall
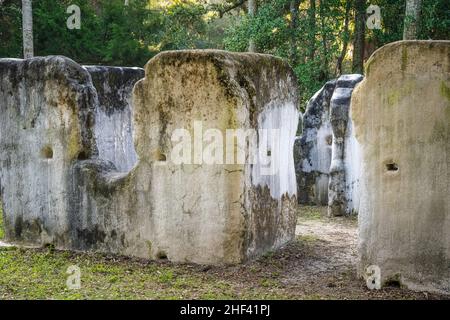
pixel 343 186
pixel 113 125
pixel 46 125
pixel 203 213
pixel 401 113
pixel 314 148
pixel 327 154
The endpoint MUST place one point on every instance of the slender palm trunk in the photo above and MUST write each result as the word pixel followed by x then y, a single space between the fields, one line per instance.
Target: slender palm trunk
pixel 312 29
pixel 345 38
pixel 27 28
pixel 252 7
pixel 412 19
pixel 293 8
pixel 360 35
pixel 323 75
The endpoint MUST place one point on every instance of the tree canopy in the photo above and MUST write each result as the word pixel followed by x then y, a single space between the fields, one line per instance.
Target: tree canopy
pixel 320 38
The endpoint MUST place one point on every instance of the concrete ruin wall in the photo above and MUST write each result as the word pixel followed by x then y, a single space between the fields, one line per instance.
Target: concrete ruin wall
pixel 46 125
pixel 327 162
pixel 401 114
pixel 113 116
pixel 313 165
pixel 343 188
pixel 56 188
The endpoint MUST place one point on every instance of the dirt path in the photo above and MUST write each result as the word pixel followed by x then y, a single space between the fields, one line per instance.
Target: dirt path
pixel 319 264
pixel 333 243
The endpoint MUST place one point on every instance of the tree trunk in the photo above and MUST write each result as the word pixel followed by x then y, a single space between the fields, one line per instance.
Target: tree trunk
pixel 345 38
pixel 323 75
pixel 412 19
pixel 27 29
pixel 96 6
pixel 312 29
pixel 358 45
pixel 252 7
pixel 293 8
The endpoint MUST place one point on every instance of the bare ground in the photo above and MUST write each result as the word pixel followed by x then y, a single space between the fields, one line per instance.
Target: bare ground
pixel 320 264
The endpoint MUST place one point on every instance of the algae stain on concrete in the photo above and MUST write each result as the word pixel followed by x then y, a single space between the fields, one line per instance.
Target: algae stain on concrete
pixel 404 58
pixel 439 132
pixel 445 91
pixel 395 95
pixel 74 144
pixel 149 248
pixel 393 98
pixel 47 152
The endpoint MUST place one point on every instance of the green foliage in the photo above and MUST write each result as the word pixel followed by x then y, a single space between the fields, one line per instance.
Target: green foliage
pixel 51 35
pixel 273 33
pixel 10 29
pixel 111 33
pixel 315 62
pixel 435 20
pixel 129 32
pixel 115 34
pixel 184 26
pixel 392 17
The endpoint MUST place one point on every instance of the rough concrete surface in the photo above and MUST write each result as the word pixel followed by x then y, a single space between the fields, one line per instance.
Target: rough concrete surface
pixel 314 149
pixel 343 188
pixel 401 113
pixel 327 154
pixel 114 114
pixel 59 188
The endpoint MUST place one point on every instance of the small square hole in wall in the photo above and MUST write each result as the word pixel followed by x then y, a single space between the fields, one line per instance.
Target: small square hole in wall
pixel 159 156
pixel 47 152
pixel 161 255
pixel 391 166
pixel 329 140
pixel 82 156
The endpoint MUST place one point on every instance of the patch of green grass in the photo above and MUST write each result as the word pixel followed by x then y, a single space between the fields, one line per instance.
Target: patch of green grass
pixel 42 274
pixel 353 219
pixel 269 283
pixel 269 254
pixel 311 212
pixel 319 213
pixel 316 297
pixel 165 276
pixel 307 238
